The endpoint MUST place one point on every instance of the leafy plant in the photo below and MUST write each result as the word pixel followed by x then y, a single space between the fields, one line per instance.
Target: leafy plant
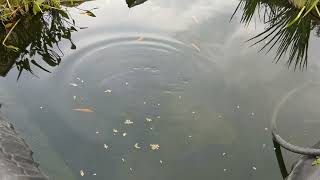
pixel 288 26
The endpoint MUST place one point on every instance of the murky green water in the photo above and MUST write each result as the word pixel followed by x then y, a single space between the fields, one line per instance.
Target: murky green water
pixel 183 74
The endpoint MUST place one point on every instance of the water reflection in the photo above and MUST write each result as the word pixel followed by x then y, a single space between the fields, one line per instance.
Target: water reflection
pixel 280 32
pixel 38 40
pixel 179 63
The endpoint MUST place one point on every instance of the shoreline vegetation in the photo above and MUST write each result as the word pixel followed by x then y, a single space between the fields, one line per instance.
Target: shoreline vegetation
pixel 30 39
pixel 289 24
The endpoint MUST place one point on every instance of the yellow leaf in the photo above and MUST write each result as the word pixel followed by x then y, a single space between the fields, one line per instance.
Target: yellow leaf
pixel 8 25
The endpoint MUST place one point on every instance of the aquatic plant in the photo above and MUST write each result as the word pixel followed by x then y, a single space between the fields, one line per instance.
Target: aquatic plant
pixel 288 26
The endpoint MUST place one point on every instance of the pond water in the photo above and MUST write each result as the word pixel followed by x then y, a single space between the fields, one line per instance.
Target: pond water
pixel 173 73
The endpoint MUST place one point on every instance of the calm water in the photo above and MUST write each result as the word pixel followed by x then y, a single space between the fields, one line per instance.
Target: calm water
pixel 183 74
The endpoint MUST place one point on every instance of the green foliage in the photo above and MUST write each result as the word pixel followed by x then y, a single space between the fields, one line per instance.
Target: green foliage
pixel 36 41
pixel 289 24
pixel 316 161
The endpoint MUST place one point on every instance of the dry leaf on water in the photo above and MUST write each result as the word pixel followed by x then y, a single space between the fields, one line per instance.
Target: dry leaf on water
pixel 196 47
pixel 154 146
pixel 140 38
pixel 81 172
pixel 137 146
pixel 83 110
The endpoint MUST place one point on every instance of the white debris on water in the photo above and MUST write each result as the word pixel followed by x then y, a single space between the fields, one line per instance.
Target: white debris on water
pixel 252 114
pixel 126 83
pixel 41 107
pixel 128 121
pixel 115 130
pixel 124 134
pixel 97 132
pixel 266 129
pixel 122 159
pixel 224 170
pixel 161 162
pixel 74 84
pixel 144 102
pixel 148 119
pixel 136 145
pixel 238 106
pixel 81 172
pixel 154 146
pixel 224 154
pixel 254 168
pixel 74 98
pixel 105 146
pixel 108 91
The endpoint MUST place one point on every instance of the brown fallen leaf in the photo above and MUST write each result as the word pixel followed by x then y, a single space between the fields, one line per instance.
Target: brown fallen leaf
pixel 83 110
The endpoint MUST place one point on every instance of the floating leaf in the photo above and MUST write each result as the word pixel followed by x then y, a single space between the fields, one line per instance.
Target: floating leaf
pixel 136 145
pixel 128 121
pixel 83 110
pixel 74 84
pixel 88 13
pixel 108 91
pixel 196 47
pixel 154 146
pixel 140 38
pixel 195 19
pixel 105 146
pixel 81 172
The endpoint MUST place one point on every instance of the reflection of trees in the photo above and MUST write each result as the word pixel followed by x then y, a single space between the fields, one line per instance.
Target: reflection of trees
pixel 276 15
pixel 132 3
pixel 38 40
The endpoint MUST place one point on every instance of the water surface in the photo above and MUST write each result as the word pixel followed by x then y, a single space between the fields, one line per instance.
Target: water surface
pixel 183 74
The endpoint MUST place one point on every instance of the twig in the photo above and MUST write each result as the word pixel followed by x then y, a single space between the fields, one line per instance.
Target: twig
pixel 7 36
pixel 8 4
